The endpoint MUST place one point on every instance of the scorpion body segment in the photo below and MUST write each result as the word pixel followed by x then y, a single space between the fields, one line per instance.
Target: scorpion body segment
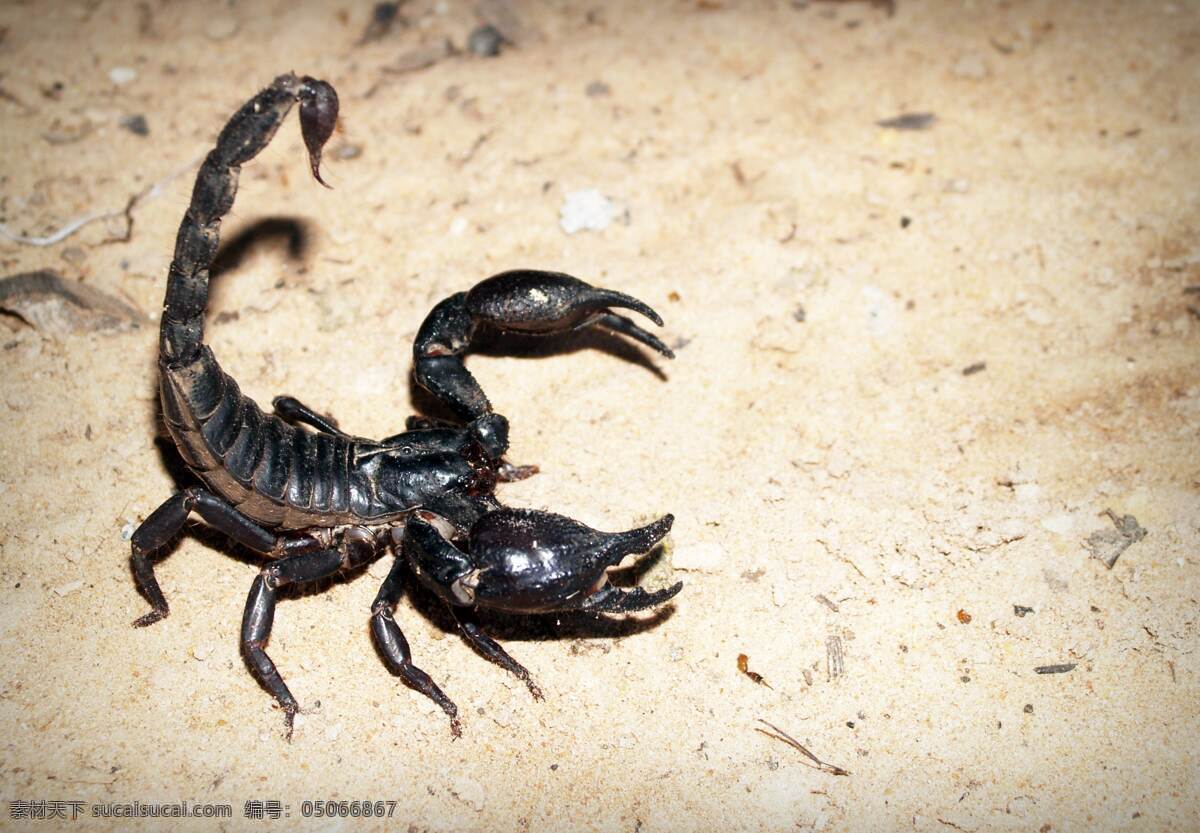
pixel 317 502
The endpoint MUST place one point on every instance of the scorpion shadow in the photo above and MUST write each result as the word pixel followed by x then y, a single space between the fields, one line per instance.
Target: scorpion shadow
pixel 293 232
pixel 296 237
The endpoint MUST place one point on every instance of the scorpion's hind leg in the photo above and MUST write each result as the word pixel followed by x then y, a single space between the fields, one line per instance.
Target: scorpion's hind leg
pixel 354 551
pixel 166 521
pixel 394 647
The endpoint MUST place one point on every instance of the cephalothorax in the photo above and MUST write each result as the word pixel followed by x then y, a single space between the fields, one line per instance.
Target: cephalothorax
pixel 320 502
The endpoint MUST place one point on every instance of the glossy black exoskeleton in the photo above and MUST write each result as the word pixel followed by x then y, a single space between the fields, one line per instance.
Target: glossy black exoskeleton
pixel 320 502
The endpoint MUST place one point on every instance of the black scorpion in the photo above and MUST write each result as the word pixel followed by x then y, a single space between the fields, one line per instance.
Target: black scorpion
pixel 321 502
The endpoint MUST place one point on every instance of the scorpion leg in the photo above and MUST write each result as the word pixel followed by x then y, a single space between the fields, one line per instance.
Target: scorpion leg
pixel 166 521
pixel 356 549
pixel 295 411
pixel 395 650
pixel 530 302
pixel 492 650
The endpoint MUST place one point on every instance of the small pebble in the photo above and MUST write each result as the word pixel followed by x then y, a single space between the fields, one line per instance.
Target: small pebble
pixel 127 530
pixel 485 41
pixel 347 152
pixel 69 587
pixel 597 89
pixel 202 652
pixel 122 75
pixel 136 124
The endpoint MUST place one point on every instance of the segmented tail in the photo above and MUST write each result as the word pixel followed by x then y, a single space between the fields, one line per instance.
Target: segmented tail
pixel 246 134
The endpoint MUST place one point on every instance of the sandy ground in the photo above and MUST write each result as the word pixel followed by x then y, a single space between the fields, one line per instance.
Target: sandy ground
pixel 915 367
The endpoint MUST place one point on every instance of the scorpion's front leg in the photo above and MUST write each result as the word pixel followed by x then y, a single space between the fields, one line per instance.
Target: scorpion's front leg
pixel 530 302
pixel 394 646
pixel 358 547
pixel 493 650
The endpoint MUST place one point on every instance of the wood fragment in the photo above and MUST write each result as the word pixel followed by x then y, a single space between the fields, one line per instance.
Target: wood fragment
pixel 909 121
pixel 972 369
pixel 835 664
pixel 743 664
pixel 782 736
pixel 1061 668
pixel 1106 545
pixel 888 6
pixel 823 599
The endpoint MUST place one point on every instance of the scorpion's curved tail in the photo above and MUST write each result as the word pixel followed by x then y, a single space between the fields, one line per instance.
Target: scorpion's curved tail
pixel 246 134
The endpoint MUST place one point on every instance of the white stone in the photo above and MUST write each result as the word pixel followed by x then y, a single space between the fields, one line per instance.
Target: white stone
pixel 69 587
pixel 586 210
pixel 122 75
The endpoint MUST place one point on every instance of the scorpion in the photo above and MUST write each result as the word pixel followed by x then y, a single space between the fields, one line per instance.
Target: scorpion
pixel 316 502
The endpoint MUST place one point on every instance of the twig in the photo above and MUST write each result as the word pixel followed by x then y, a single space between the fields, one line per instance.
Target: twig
pixel 823 599
pixel 60 235
pixel 148 193
pixel 1061 668
pixel 783 736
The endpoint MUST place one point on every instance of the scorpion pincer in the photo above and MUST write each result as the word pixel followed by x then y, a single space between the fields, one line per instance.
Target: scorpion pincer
pixel 316 502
